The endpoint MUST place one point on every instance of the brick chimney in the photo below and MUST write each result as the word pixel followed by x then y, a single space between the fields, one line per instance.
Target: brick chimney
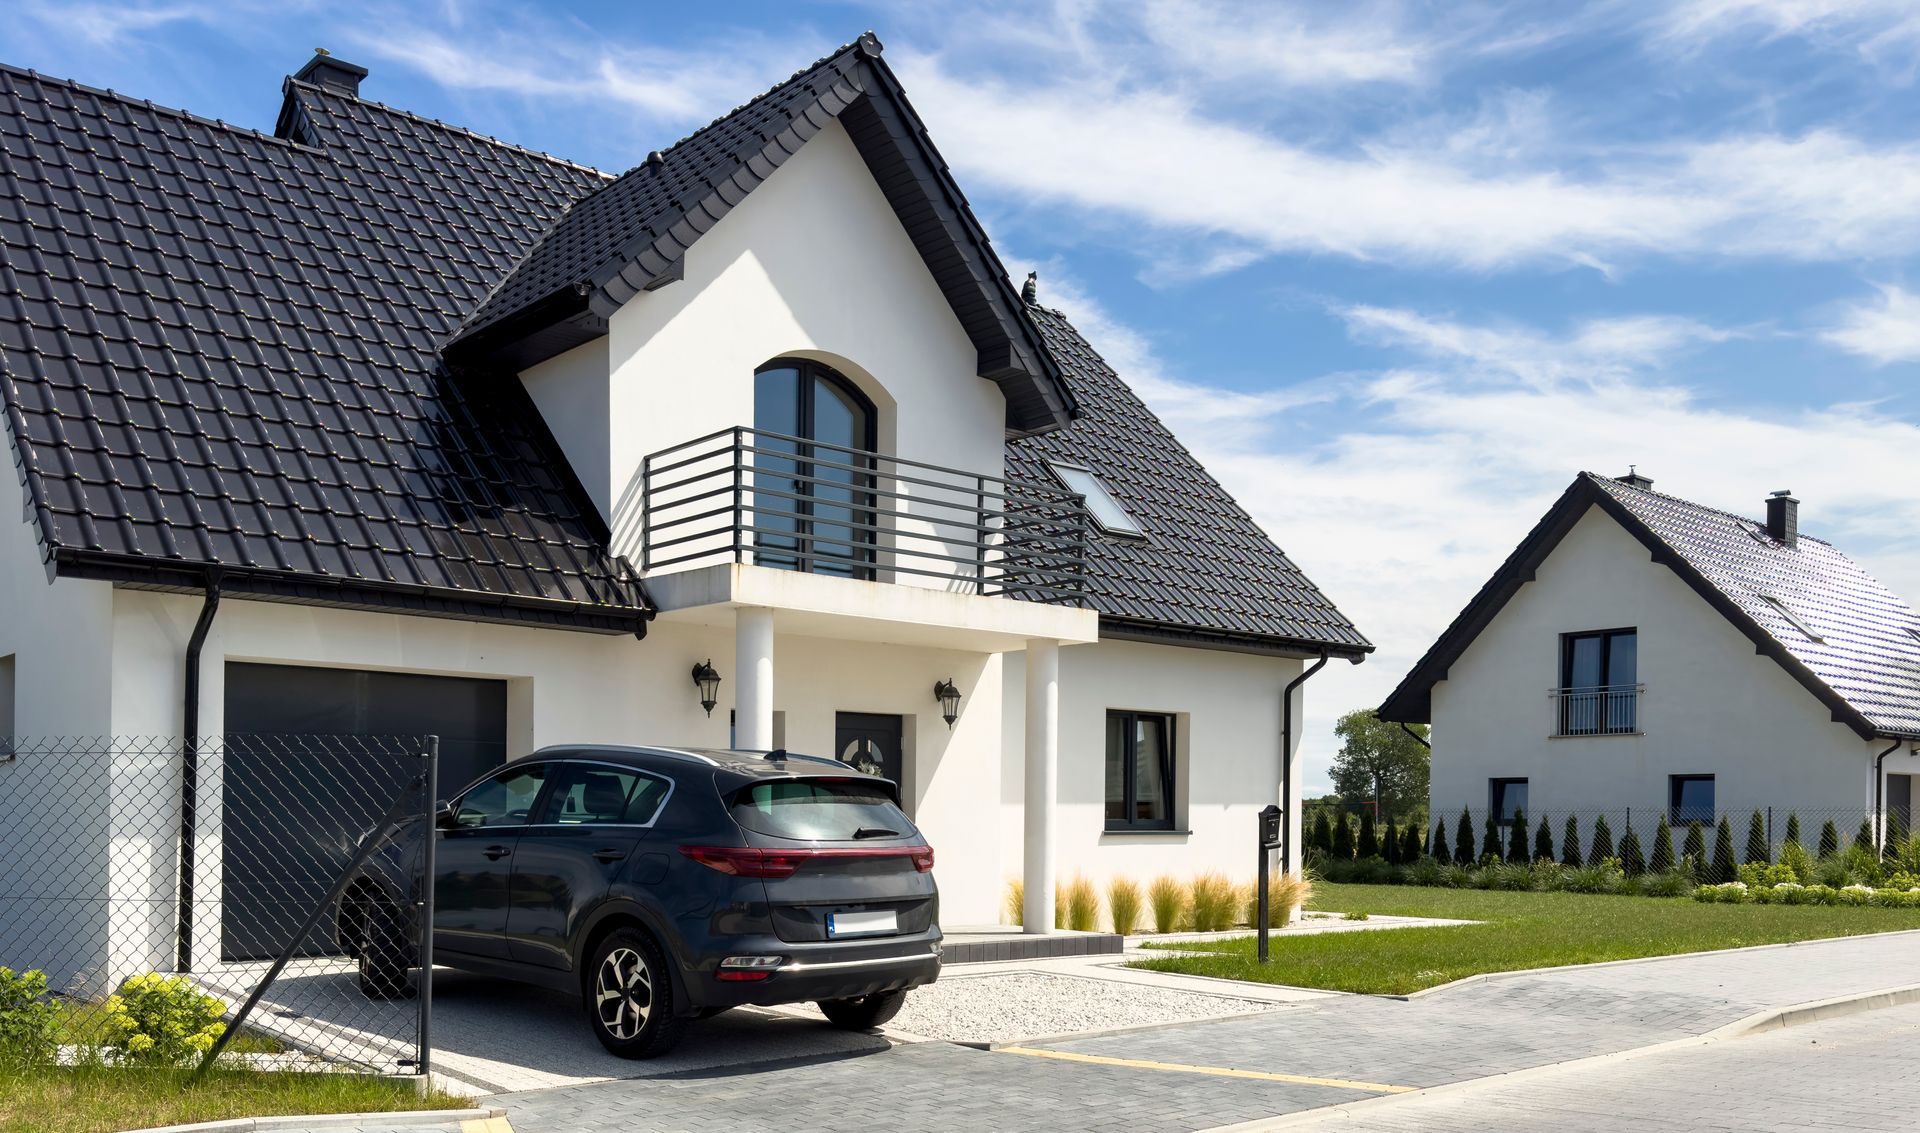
pixel 323 70
pixel 1783 518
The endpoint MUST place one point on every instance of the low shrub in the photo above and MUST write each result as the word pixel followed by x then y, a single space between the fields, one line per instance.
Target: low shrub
pixel 1016 901
pixel 1426 871
pixel 1856 895
pixel 1666 883
pixel 1123 904
pixel 1794 857
pixel 1725 893
pixel 1760 874
pixel 29 1021
pixel 1600 877
pixel 1168 899
pixel 1547 876
pixel 1083 904
pixel 158 1020
pixel 1832 872
pixel 1212 903
pixel 1457 877
pixel 1819 895
pixel 1509 876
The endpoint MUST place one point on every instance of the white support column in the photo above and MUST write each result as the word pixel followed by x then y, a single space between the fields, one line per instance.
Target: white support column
pixel 753 658
pixel 1042 793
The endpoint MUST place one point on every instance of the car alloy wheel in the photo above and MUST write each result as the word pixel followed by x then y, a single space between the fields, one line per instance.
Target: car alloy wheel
pixel 623 993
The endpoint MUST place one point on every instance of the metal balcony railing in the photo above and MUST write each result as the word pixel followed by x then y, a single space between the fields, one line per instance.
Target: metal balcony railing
pixel 752 496
pixel 1597 710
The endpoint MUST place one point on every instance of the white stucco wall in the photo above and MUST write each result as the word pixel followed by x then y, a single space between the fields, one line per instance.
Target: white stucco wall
pixel 1227 751
pixel 1711 705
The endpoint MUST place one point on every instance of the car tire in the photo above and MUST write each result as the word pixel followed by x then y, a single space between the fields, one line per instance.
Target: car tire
pixel 864 1012
pixel 384 953
pixel 629 994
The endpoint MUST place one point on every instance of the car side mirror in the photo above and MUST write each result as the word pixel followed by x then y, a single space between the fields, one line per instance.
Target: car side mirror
pixel 444 817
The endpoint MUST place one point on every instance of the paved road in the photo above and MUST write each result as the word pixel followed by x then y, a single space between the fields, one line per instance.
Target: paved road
pixel 1192 1076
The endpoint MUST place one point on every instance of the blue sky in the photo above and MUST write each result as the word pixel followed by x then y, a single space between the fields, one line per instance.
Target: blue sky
pixel 1396 271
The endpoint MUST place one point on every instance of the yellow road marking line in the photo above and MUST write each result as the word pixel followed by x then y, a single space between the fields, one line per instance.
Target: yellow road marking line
pixel 1216 1071
pixel 486 1125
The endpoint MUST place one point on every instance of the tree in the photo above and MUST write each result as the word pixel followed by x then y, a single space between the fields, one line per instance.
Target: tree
pixel 1322 837
pixel 1517 837
pixel 1410 844
pixel 1343 838
pixel 1369 846
pixel 1662 860
pixel 1829 840
pixel 1602 841
pixel 1490 839
pixel 1439 848
pixel 1793 829
pixel 1379 761
pixel 1863 837
pixel 1757 848
pixel 1694 850
pixel 1570 844
pixel 1543 841
pixel 1723 870
pixel 1632 862
pixel 1390 843
pixel 1463 839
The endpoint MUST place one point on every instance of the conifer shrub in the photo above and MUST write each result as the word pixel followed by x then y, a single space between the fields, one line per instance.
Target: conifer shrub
pixel 1757 848
pixel 1543 841
pixel 1694 850
pixel 1369 844
pixel 1793 829
pixel 1602 847
pixel 1633 862
pixel 1390 843
pixel 1463 839
pixel 1662 859
pixel 1490 839
pixel 1439 851
pixel 1410 845
pixel 1322 837
pixel 1829 841
pixel 1723 867
pixel 1863 837
pixel 1517 837
pixel 1343 839
pixel 1570 844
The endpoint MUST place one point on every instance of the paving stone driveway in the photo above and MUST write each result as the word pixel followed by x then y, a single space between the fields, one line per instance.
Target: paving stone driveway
pixel 1194 1076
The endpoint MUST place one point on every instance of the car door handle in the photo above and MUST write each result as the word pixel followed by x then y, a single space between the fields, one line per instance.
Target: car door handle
pixel 608 855
pixel 495 853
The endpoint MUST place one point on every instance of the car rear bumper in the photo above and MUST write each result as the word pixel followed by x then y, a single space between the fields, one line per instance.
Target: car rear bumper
pixel 815 972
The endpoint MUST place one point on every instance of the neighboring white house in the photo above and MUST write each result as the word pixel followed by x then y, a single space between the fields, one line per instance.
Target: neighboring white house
pixel 433 433
pixel 1640 651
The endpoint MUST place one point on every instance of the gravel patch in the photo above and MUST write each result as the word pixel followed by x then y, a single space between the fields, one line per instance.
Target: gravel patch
pixel 1026 1005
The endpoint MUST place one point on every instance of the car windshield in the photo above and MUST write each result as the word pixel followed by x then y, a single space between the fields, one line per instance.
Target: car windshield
pixel 820 810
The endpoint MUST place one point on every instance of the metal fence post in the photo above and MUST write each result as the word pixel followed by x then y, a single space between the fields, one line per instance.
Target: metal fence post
pixel 430 808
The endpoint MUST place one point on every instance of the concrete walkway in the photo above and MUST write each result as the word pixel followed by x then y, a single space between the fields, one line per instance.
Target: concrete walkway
pixel 1320 1050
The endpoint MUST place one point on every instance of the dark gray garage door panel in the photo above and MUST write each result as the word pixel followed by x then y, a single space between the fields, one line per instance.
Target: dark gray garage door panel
pixel 299 792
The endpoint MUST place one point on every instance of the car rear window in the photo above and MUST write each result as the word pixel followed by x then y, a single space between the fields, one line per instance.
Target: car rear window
pixel 820 809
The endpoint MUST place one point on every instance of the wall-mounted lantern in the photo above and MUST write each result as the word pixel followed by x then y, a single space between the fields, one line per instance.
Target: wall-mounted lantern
pixel 949 698
pixel 708 682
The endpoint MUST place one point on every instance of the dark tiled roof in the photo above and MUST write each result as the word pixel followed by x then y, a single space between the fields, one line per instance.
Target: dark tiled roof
pixel 1204 567
pixel 634 233
pixel 1865 667
pixel 221 348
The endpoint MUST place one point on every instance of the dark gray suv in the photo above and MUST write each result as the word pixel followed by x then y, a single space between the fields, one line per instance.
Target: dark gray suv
pixel 664 885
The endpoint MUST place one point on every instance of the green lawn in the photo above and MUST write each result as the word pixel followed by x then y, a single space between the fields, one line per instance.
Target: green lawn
pixel 101 1099
pixel 1522 930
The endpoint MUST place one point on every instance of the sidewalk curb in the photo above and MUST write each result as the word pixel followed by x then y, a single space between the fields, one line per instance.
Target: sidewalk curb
pixel 1771 1019
pixel 1484 977
pixel 331 1121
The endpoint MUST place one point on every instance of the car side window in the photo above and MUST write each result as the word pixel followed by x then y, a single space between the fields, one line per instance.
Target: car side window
pixel 505 800
pixel 585 793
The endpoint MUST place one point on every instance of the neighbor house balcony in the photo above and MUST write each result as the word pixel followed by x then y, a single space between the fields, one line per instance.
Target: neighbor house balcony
pixel 1597 710
pixel 747 517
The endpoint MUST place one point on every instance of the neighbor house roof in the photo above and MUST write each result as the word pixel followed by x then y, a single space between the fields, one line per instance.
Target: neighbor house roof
pixel 1202 571
pixel 1861 658
pixel 632 234
pixel 220 348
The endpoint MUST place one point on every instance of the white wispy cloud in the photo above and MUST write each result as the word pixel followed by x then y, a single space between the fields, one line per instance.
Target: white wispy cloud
pixel 109 24
pixel 1884 329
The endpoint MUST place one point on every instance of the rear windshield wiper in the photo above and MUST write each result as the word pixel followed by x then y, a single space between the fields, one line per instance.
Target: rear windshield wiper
pixel 875 832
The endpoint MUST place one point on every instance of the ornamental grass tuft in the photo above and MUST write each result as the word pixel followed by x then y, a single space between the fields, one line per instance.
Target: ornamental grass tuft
pixel 1123 904
pixel 1168 899
pixel 1212 903
pixel 1016 901
pixel 1083 904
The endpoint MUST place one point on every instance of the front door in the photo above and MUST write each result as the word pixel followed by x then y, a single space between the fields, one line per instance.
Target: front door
pixel 870 743
pixel 1900 803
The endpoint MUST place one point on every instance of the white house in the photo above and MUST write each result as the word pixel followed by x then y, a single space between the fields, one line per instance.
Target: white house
pixel 425 432
pixel 1640 651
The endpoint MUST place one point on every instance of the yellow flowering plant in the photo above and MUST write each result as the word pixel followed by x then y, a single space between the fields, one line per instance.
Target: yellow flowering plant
pixel 158 1020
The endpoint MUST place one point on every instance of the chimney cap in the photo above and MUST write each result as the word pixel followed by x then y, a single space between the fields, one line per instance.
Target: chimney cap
pixel 1783 494
pixel 1633 479
pixel 325 70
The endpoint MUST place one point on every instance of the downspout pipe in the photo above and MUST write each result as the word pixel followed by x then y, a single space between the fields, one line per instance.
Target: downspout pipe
pixel 1286 760
pixel 1879 787
pixel 190 773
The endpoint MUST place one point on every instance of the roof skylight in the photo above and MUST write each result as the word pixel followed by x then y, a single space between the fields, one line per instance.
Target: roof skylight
pixel 1786 612
pixel 1106 511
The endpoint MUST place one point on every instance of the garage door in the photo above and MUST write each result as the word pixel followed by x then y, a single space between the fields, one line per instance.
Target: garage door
pixel 299 791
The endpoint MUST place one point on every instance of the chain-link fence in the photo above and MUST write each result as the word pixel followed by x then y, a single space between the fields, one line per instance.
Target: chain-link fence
pixel 1464 834
pixel 258 895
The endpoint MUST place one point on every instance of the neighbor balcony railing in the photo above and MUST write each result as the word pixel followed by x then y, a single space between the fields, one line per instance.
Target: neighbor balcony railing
pixel 753 496
pixel 1598 710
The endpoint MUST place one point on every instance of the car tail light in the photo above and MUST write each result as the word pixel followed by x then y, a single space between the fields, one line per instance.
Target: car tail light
pixel 748 861
pixel 746 968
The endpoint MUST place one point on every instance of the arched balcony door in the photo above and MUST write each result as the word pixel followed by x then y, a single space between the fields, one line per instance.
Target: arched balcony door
pixel 813 477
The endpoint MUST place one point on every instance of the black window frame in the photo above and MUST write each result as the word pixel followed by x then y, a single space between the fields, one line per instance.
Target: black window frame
pixel 805 557
pixel 1496 798
pixel 1674 784
pixel 1169 776
pixel 1605 709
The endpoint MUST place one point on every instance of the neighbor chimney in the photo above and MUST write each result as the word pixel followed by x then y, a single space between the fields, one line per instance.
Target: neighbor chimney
pixel 1633 479
pixel 1783 518
pixel 323 70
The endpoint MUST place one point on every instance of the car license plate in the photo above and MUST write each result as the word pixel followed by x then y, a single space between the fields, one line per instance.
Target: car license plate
pixel 867 923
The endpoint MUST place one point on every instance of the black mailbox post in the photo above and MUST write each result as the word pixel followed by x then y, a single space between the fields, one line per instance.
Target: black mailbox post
pixel 1272 837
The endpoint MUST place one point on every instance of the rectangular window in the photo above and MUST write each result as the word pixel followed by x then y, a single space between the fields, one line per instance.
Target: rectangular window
pixel 1689 800
pixel 596 795
pixel 1599 683
pixel 1109 513
pixel 1139 771
pixel 1506 798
